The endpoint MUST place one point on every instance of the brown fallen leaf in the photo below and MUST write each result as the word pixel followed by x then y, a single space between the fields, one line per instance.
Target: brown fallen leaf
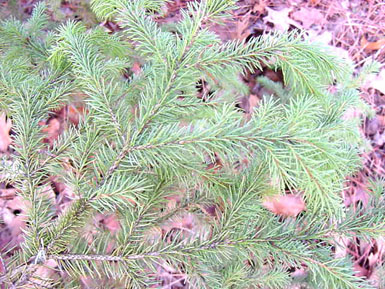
pixel 216 165
pixel 241 30
pixel 259 6
pixel 308 17
pixel 172 202
pixel 340 244
pixel 248 103
pixel 14 218
pixel 285 205
pixel 360 271
pixel 353 113
pixel 46 271
pixel 376 278
pixel 184 227
pixel 280 19
pixel 358 194
pixel 52 129
pixel 136 69
pixel 210 210
pixel 74 113
pixel 5 127
pixel 369 46
pixel 378 252
pixel 376 81
pixel 108 222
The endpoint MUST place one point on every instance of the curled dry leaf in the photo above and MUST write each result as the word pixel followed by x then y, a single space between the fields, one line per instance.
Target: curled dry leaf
pixel 286 205
pixel 5 127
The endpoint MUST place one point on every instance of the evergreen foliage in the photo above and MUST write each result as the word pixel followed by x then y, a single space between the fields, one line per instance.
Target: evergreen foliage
pixel 149 137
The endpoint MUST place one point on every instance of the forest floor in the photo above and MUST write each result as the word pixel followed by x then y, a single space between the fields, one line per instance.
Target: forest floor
pixel 353 29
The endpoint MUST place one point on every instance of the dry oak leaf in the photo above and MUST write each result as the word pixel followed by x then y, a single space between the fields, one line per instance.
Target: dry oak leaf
pixel 376 81
pixel 52 129
pixel 13 216
pixel 360 271
pixel 285 205
pixel 369 46
pixel 377 255
pixel 46 271
pixel 356 195
pixel 280 19
pixel 308 17
pixel 5 127
pixel 259 6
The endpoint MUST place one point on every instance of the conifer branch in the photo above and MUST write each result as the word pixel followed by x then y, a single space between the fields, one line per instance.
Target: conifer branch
pixel 145 147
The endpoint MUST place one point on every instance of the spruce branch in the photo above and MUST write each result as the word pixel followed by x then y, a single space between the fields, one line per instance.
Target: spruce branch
pixel 171 167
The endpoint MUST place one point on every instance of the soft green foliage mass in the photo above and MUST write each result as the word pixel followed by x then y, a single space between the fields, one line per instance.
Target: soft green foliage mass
pixel 149 137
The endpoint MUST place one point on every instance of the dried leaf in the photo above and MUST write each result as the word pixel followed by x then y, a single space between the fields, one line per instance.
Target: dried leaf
pixel 248 103
pixel 5 127
pixel 325 38
pixel 75 113
pixel 259 6
pixel 241 30
pixel 378 253
pixel 308 17
pixel 109 222
pixel 52 130
pixel 299 274
pixel 184 227
pixel 358 194
pixel 14 217
pixel 360 271
pixel 172 202
pixel 46 271
pixel 280 19
pixel 7 193
pixel 340 244
pixel 379 138
pixel 136 69
pixel 353 113
pixel 369 46
pixel 285 205
pixel 376 81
